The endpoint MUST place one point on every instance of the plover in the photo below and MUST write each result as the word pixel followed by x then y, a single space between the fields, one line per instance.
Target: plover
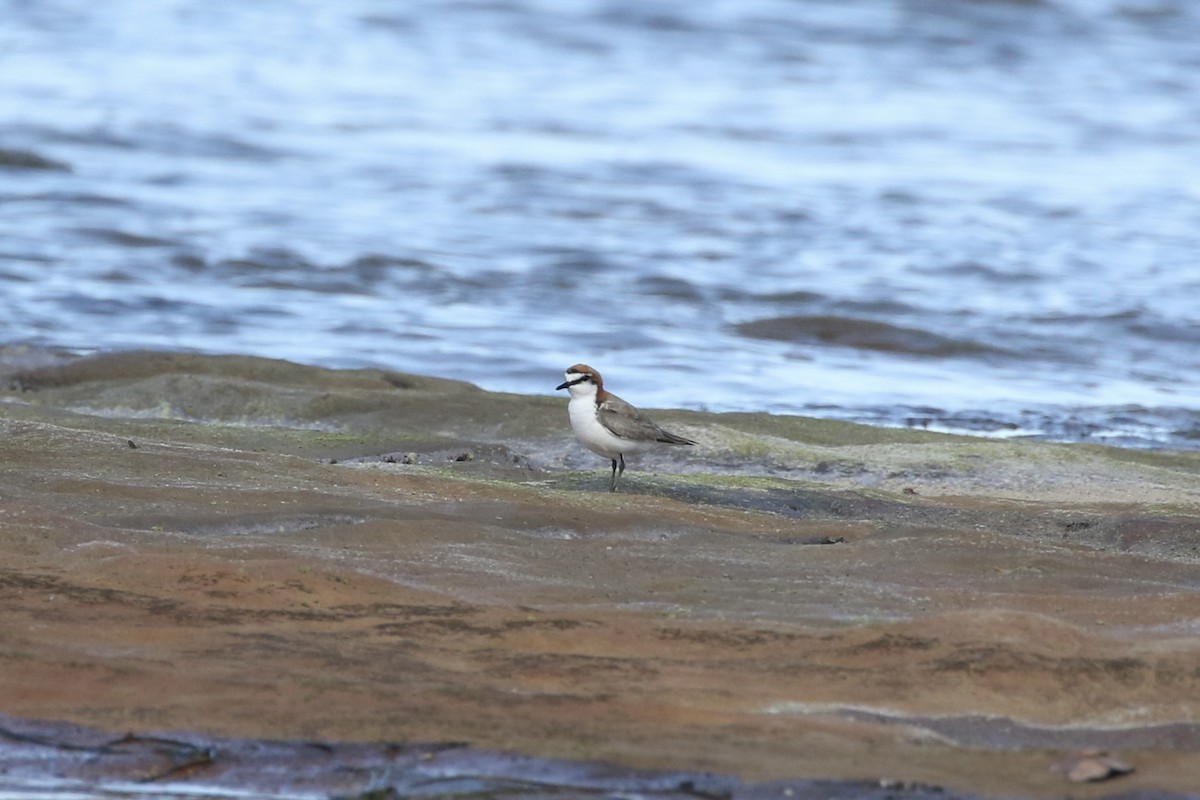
pixel 606 424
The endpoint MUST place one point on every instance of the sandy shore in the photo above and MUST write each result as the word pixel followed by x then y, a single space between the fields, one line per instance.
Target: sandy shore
pixel 251 548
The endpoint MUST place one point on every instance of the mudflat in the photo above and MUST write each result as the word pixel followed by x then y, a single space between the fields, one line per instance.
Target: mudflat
pixel 242 547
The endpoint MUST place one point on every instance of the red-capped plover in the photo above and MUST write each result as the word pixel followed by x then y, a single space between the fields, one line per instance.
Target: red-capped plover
pixel 606 424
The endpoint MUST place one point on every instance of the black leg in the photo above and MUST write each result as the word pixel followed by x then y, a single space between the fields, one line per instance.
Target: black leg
pixel 612 487
pixel 620 470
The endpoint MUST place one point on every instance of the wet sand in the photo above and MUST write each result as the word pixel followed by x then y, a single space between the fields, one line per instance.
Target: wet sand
pixel 247 548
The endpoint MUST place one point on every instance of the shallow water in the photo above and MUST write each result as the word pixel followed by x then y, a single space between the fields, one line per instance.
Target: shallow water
pixel 973 216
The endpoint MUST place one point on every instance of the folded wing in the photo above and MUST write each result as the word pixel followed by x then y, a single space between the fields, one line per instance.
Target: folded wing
pixel 627 422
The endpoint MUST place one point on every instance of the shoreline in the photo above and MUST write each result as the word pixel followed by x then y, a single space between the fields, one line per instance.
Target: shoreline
pixel 1158 427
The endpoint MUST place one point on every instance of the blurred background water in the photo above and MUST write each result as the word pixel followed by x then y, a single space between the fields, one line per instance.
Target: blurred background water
pixel 963 214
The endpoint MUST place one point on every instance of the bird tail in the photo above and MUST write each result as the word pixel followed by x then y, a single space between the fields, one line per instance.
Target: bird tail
pixel 667 437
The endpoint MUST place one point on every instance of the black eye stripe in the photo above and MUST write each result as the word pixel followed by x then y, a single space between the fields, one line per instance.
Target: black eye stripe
pixel 580 379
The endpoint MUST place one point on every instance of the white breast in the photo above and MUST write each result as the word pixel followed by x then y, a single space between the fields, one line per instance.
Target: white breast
pixel 593 435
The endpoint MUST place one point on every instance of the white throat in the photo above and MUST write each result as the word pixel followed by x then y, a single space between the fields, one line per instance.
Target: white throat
pixel 583 389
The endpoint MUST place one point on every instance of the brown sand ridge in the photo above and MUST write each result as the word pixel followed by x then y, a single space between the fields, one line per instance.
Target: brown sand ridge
pixel 254 548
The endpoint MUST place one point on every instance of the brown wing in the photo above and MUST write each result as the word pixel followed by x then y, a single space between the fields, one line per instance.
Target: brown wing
pixel 627 422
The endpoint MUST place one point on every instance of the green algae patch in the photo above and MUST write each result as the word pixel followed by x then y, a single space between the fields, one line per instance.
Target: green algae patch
pixel 814 431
